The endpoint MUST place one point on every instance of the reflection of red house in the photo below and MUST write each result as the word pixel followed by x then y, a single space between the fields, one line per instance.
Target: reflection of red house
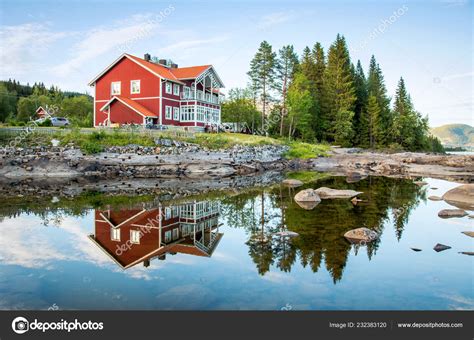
pixel 148 92
pixel 42 113
pixel 139 235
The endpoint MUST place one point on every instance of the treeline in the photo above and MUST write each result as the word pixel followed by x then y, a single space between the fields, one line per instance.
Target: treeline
pixel 323 96
pixel 18 103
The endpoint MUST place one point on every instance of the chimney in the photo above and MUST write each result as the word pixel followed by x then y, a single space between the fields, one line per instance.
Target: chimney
pixel 162 62
pixel 147 57
pixel 174 65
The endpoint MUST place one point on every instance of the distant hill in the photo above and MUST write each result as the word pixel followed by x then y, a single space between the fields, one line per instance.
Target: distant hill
pixel 455 135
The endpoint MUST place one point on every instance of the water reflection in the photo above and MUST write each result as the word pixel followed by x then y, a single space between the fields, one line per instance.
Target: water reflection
pixel 133 236
pixel 320 242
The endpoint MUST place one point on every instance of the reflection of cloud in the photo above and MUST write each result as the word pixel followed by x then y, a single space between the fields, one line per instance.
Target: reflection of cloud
pixel 454 3
pixel 460 302
pixel 278 277
pixel 23 243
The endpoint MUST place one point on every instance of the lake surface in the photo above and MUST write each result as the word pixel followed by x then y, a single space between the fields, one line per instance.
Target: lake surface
pixel 223 251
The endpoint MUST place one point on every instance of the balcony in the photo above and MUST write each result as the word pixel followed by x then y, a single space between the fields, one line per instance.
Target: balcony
pixel 207 98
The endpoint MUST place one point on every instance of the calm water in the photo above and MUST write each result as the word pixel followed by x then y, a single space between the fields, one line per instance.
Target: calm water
pixel 69 254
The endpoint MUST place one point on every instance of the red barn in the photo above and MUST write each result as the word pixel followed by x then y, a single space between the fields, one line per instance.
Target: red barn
pixel 140 91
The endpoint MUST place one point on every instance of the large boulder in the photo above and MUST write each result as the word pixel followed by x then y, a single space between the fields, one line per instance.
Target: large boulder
pixel 440 247
pixel 307 199
pixel 448 213
pixel 328 193
pixel 361 235
pixel 461 197
pixel 292 182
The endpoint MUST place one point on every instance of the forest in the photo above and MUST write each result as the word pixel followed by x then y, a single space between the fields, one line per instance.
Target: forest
pixel 322 96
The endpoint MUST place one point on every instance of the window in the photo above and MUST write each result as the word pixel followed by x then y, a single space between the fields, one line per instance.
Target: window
pixel 200 113
pixel 115 234
pixel 176 113
pixel 168 112
pixel 175 233
pixel 187 92
pixel 115 87
pixel 135 236
pixel 176 89
pixel 187 113
pixel 167 213
pixel 167 236
pixel 208 97
pixel 168 88
pixel 135 86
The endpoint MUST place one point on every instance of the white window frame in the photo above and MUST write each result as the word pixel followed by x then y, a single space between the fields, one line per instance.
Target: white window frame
pixel 112 88
pixel 135 236
pixel 175 234
pixel 176 89
pixel 168 88
pixel 113 234
pixel 167 236
pixel 176 113
pixel 168 112
pixel 131 86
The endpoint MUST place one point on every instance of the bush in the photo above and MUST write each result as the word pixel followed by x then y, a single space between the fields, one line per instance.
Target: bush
pixel 89 147
pixel 305 150
pixel 46 122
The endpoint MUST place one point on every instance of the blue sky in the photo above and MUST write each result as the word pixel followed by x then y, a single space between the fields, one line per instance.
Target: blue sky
pixel 67 43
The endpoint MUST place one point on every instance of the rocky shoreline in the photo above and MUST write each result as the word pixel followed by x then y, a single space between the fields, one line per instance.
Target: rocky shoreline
pixel 189 168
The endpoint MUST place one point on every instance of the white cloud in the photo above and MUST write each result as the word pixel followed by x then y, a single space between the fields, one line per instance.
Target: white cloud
pixel 189 44
pixel 273 19
pixel 22 46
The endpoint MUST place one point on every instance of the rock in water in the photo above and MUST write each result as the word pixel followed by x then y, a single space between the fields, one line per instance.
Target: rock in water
pixel 468 233
pixel 292 182
pixel 435 198
pixel 286 234
pixel 420 183
pixel 448 213
pixel 307 199
pixel 471 253
pixel 415 249
pixel 361 235
pixel 328 193
pixel 440 247
pixel 461 197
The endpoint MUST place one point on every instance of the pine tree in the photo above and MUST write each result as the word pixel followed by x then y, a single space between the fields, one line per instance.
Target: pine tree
pixel 287 64
pixel 372 119
pixel 376 87
pixel 339 92
pixel 262 74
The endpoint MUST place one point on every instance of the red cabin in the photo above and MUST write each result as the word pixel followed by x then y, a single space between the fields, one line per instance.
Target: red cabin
pixel 157 93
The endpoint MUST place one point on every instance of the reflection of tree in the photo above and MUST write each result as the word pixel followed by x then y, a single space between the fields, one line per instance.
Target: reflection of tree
pixel 321 230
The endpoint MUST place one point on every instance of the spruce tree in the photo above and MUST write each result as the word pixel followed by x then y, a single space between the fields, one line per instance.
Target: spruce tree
pixel 339 92
pixel 372 119
pixel 320 121
pixel 376 87
pixel 359 123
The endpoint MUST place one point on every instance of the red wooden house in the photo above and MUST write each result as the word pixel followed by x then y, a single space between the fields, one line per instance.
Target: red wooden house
pixel 132 236
pixel 148 93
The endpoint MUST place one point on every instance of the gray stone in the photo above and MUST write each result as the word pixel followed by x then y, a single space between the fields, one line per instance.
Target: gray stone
pixel 440 247
pixel 435 198
pixel 307 199
pixel 468 233
pixel 415 249
pixel 361 235
pixel 449 213
pixel 292 182
pixel 328 193
pixel 461 197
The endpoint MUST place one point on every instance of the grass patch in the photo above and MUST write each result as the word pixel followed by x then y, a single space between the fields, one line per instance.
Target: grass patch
pixel 229 140
pixel 305 150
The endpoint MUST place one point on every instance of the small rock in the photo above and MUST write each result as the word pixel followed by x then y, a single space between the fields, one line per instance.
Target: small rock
pixel 292 182
pixel 468 233
pixel 355 200
pixel 449 213
pixel 435 198
pixel 55 142
pixel 307 199
pixel 470 253
pixel 328 193
pixel 286 234
pixel 471 216
pixel 434 188
pixel 420 183
pixel 440 247
pixel 54 200
pixel 415 249
pixel 29 168
pixel 361 235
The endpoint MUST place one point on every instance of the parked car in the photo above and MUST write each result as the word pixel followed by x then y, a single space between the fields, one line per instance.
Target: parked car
pixel 59 121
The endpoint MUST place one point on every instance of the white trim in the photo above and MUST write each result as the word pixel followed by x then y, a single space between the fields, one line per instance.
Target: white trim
pixel 112 88
pixel 124 103
pixel 176 113
pixel 171 112
pixel 131 86
pixel 139 98
pixel 102 100
pixel 133 232
pixel 160 111
pixel 112 232
pixel 176 86
pixel 95 92
pixel 166 87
